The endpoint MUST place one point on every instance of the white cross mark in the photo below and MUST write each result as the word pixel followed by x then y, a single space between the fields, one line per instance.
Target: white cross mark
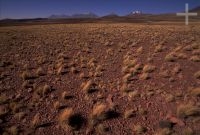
pixel 186 14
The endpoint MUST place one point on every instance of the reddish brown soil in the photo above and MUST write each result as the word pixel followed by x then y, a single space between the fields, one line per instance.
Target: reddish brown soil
pixel 27 48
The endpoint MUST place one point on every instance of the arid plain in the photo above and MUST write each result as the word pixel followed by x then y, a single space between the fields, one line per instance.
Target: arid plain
pixel 100 78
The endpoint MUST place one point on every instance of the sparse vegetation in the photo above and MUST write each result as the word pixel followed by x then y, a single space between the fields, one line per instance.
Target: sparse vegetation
pixel 138 129
pixel 148 68
pixel 129 113
pixel 99 78
pixel 197 75
pixel 170 57
pixel 196 91
pixel 187 110
pixel 195 58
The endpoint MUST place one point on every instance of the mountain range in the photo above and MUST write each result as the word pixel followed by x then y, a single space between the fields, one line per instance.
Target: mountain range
pixel 132 17
pixel 136 13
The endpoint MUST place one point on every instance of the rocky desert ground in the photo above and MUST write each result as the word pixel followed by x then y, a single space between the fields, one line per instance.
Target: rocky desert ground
pixel 100 79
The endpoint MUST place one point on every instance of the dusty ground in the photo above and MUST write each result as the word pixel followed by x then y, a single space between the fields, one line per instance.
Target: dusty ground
pixel 114 79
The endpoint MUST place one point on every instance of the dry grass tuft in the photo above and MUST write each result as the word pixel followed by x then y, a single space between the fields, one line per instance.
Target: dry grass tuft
pixel 101 129
pixel 87 87
pixel 164 131
pixel 187 110
pixel 56 105
pixel 170 57
pixel 138 129
pixel 132 95
pixel 197 75
pixel 145 76
pixel 69 120
pixel 129 113
pixel 195 91
pixel 46 89
pixel 195 58
pixel 99 112
pixel 40 72
pixel 66 95
pixel 126 78
pixel 60 70
pixel 65 115
pixel 148 68
pixel 26 75
pixel 35 121
pixel 188 131
pixel 13 130
pixel 158 48
pixel 169 98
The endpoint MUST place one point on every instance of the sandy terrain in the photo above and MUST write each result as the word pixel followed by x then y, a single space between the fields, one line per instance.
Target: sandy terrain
pixel 100 79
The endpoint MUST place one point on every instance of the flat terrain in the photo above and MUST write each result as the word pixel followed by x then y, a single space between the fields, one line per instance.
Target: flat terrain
pixel 100 79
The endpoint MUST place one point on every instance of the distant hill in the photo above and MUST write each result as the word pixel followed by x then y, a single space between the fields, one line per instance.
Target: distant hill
pixel 133 17
pixel 112 15
pixel 196 10
pixel 86 15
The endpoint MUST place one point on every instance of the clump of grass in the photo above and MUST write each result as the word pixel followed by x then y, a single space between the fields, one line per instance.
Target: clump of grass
pixel 87 87
pixel 40 72
pixel 188 48
pixel 125 88
pixel 66 95
pixel 181 56
pixel 46 89
pixel 99 112
pixel 3 111
pixel 195 91
pixel 170 57
pixel 177 69
pixel 15 106
pixel 132 95
pixel 129 113
pixel 56 105
pixel 65 115
pixel 165 74
pixel 3 99
pixel 195 58
pixel 35 121
pixel 68 119
pixel 188 131
pixel 187 110
pixel 148 68
pixel 126 78
pixel 43 90
pixel 164 131
pixel 142 111
pixel 169 98
pixel 139 129
pixel 20 115
pixel 145 76
pixel 196 52
pixel 101 129
pixel 27 84
pixel 139 50
pixel 158 48
pixel 13 130
pixel 60 70
pixel 26 75
pixel 197 75
pixel 82 75
pixel 74 70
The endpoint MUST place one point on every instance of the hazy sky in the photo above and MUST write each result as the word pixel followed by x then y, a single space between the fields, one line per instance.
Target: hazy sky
pixel 45 8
